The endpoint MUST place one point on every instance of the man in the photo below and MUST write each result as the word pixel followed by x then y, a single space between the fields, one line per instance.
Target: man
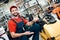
pixel 16 25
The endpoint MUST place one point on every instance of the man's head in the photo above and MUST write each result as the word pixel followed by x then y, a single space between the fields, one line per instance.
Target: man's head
pixel 14 10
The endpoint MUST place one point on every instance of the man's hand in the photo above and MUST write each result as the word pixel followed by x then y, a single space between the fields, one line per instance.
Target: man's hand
pixel 35 19
pixel 28 33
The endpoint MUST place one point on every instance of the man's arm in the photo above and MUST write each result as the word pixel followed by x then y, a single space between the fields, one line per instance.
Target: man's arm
pixel 14 35
pixel 31 22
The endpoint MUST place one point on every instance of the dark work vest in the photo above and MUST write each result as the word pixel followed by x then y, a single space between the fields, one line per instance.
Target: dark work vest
pixel 19 29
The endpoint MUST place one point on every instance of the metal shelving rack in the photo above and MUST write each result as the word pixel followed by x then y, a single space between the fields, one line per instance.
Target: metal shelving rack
pixel 27 6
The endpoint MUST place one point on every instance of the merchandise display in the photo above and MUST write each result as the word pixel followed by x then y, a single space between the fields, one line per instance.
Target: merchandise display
pixel 45 3
pixel 3 25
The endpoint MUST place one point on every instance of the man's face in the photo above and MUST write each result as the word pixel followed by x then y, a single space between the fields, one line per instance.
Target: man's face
pixel 14 11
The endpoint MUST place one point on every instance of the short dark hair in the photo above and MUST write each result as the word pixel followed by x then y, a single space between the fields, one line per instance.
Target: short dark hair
pixel 12 7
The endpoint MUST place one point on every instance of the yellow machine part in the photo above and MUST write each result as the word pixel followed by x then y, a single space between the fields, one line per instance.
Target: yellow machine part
pixel 51 30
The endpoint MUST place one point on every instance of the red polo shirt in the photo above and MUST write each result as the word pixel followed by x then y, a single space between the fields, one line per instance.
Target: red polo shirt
pixel 12 24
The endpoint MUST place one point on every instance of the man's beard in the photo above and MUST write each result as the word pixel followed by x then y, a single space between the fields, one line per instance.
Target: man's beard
pixel 16 15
